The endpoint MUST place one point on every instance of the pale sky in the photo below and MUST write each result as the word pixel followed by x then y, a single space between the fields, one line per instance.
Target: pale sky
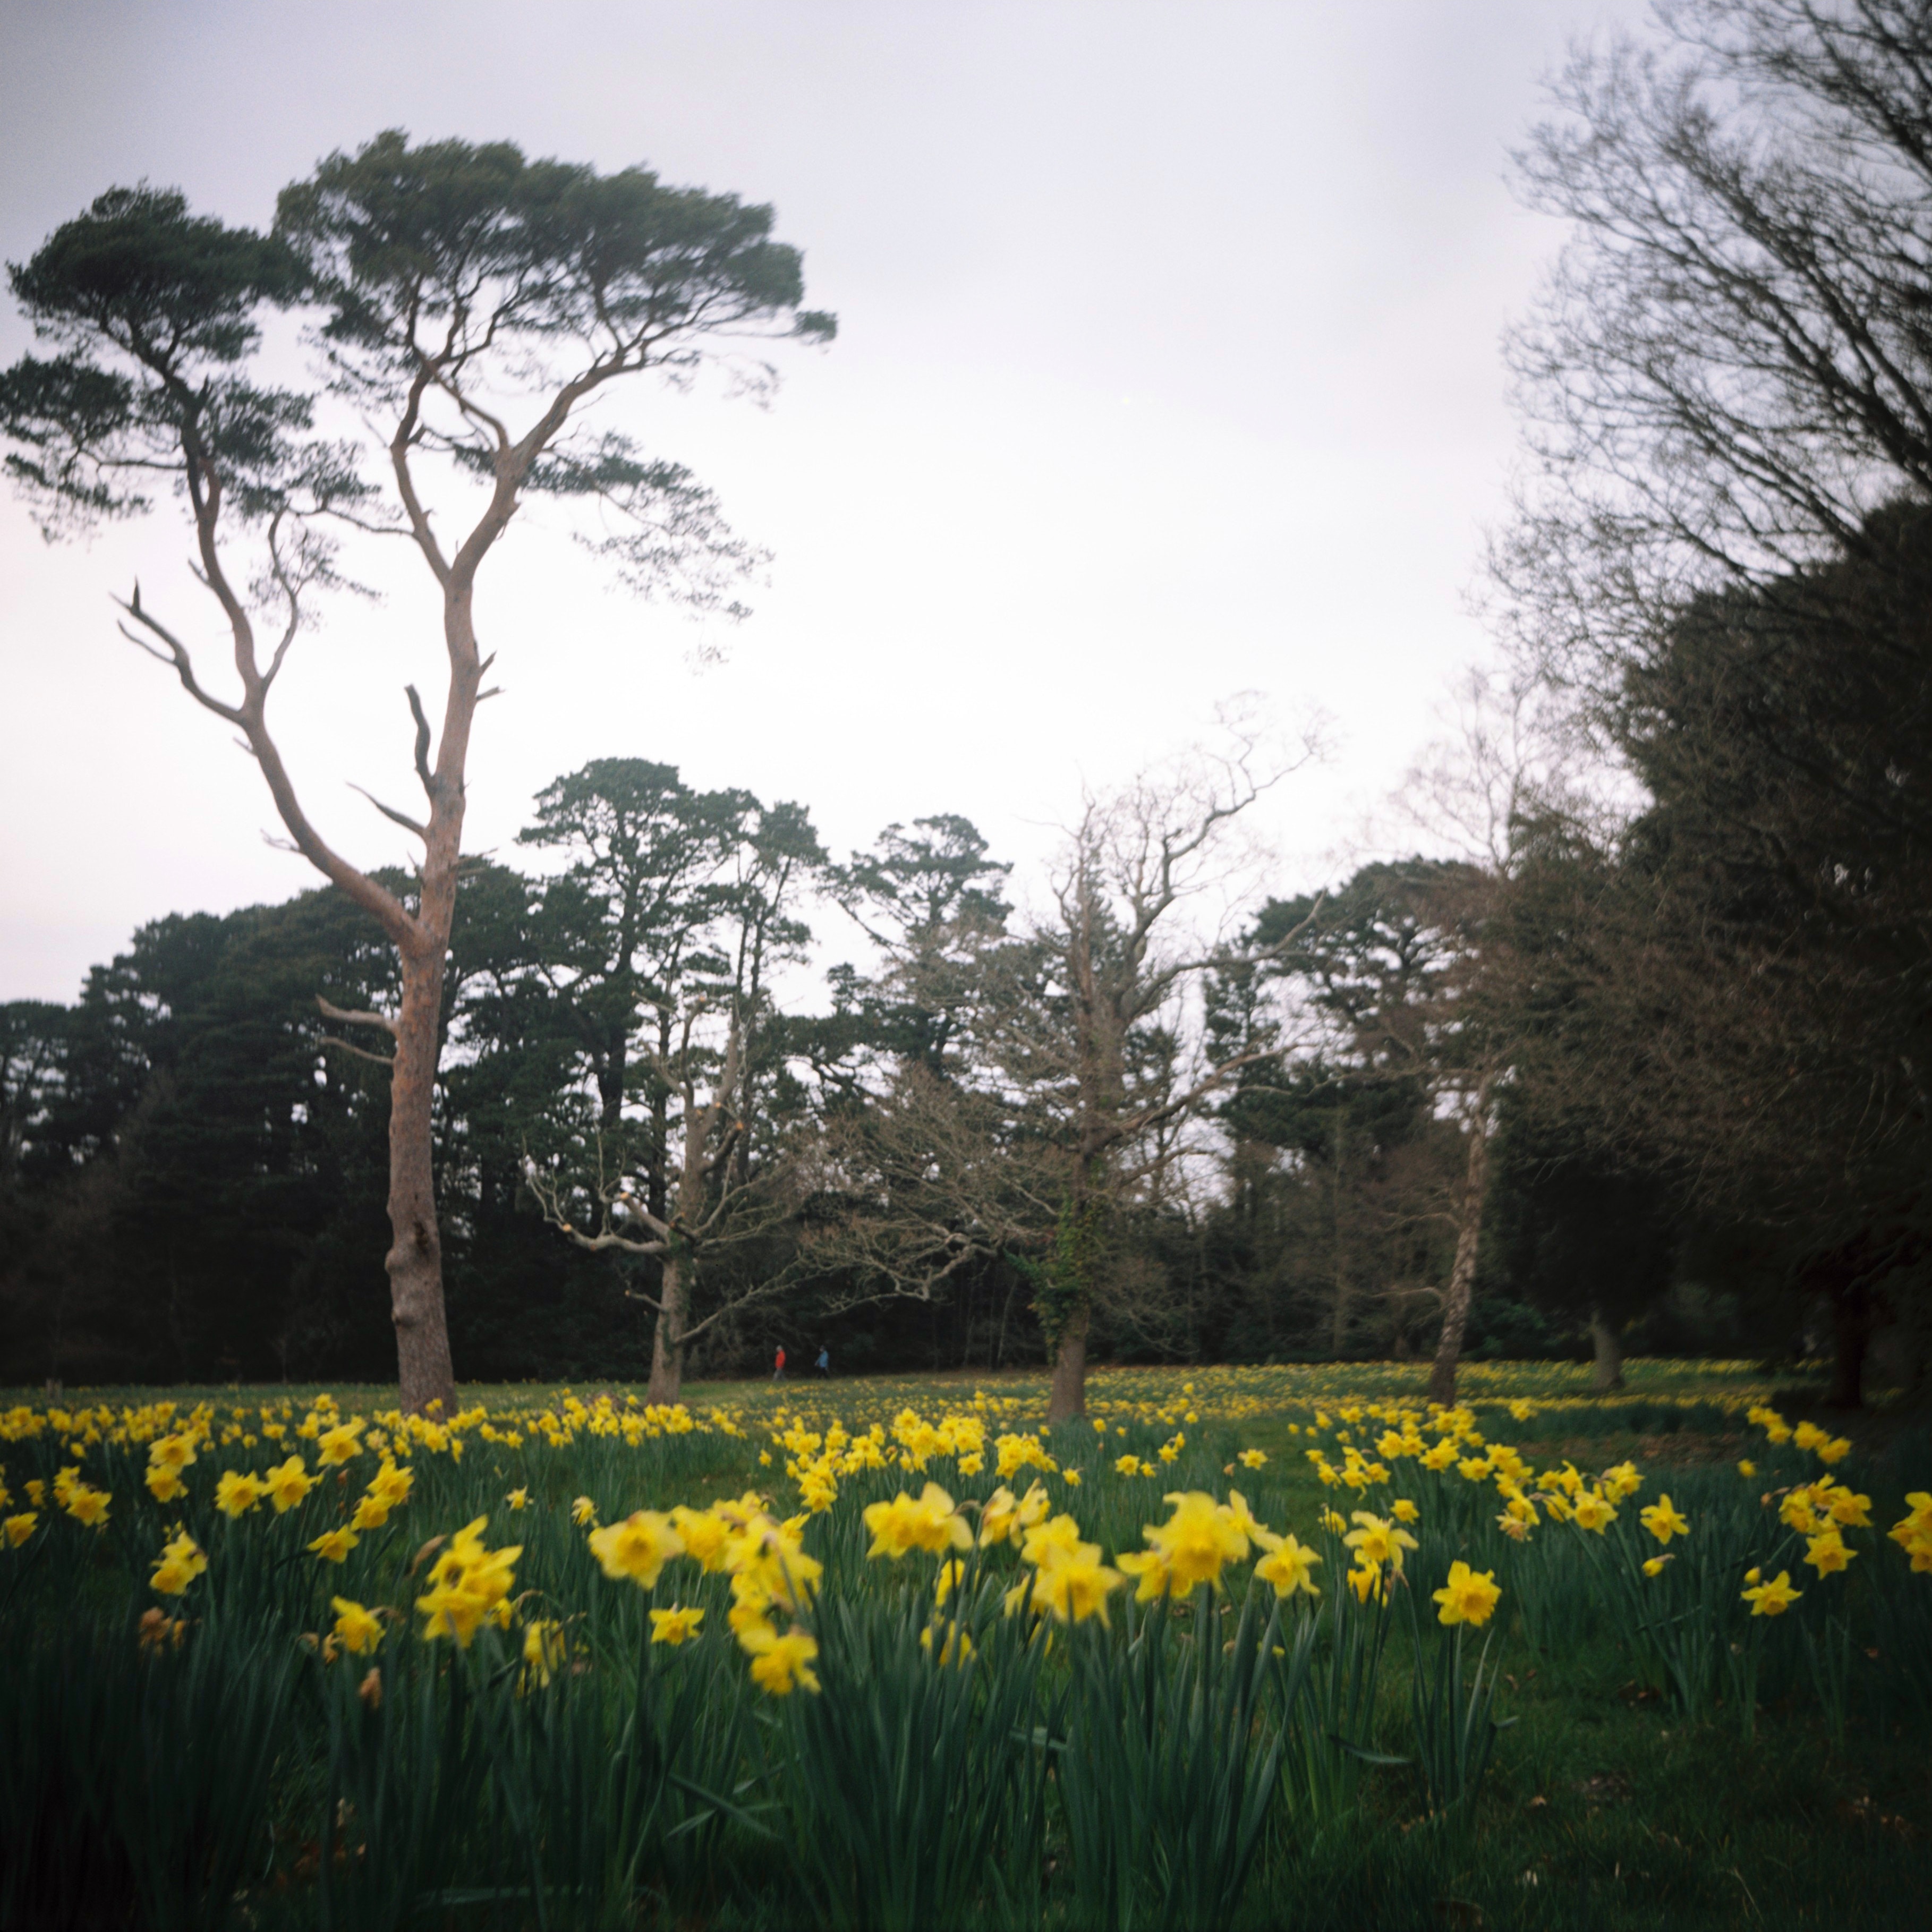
pixel 1167 368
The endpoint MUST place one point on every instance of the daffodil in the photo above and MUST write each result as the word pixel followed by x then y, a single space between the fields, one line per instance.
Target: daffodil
pixel 1197 1540
pixel 288 1484
pixel 781 1664
pixel 638 1547
pixel 164 1484
pixel 181 1561
pixel 705 1535
pixel 1592 1511
pixel 19 1528
pixel 1772 1599
pixel 1376 1541
pixel 1289 1567
pixel 176 1452
pixel 1663 1520
pixel 333 1546
pixel 1469 1596
pixel 932 1523
pixel 355 1629
pixel 87 1505
pixel 391 1486
pixel 1073 1584
pixel 544 1649
pixel 675 1625
pixel 468 1583
pixel 1827 1553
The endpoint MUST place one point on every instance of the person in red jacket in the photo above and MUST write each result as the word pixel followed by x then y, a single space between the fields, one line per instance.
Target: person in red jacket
pixel 778 1367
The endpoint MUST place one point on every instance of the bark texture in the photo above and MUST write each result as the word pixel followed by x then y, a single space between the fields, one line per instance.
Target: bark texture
pixel 1468 1242
pixel 1066 1399
pixel 1607 1346
pixel 666 1382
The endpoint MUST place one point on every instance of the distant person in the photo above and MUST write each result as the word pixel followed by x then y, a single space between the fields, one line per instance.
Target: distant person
pixel 824 1359
pixel 778 1367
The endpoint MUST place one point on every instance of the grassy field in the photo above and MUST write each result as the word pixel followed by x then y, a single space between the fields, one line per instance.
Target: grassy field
pixel 1219 1755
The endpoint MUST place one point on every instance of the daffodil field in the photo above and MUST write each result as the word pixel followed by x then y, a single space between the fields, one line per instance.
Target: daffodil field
pixel 1258 1647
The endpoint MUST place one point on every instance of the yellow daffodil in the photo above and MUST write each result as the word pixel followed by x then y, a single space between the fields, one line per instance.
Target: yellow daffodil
pixel 333 1546
pixel 391 1486
pixel 236 1493
pixel 288 1484
pixel 544 1650
pixel 638 1547
pixel 87 1505
pixel 164 1484
pixel 1592 1511
pixel 1289 1567
pixel 181 1561
pixel 932 1523
pixel 1072 1584
pixel 955 1647
pixel 1663 1520
pixel 1469 1597
pixel 1827 1553
pixel 781 1664
pixel 468 1582
pixel 1772 1599
pixel 1374 1540
pixel 1196 1541
pixel 356 1631
pixel 675 1625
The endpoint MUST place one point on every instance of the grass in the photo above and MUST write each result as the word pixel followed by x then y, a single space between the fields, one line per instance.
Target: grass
pixel 1607 1803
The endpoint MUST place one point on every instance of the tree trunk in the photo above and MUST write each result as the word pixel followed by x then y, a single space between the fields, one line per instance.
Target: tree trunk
pixel 1607 1347
pixel 668 1343
pixel 1067 1399
pixel 1338 1334
pixel 415 1259
pixel 1851 1334
pixel 1462 1274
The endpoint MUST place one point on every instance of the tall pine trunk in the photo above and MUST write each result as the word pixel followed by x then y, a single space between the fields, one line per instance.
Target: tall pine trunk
pixel 423 1373
pixel 1468 1242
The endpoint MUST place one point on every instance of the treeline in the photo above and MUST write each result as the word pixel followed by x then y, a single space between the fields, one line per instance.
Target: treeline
pixel 1426 1061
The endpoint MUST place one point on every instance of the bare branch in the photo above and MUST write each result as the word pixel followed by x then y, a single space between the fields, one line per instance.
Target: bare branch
pixel 382 1021
pixel 401 818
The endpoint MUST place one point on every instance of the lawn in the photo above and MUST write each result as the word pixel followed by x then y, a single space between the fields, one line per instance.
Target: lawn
pixel 202 1744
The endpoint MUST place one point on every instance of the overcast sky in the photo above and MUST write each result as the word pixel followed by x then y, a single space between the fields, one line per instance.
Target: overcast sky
pixel 1167 369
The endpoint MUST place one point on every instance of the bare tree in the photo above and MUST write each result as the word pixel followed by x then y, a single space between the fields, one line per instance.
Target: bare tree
pixel 708 1206
pixel 924 1179
pixel 458 285
pixel 1105 1062
pixel 1728 368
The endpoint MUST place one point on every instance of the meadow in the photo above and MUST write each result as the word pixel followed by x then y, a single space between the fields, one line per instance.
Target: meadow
pixel 1257 1646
